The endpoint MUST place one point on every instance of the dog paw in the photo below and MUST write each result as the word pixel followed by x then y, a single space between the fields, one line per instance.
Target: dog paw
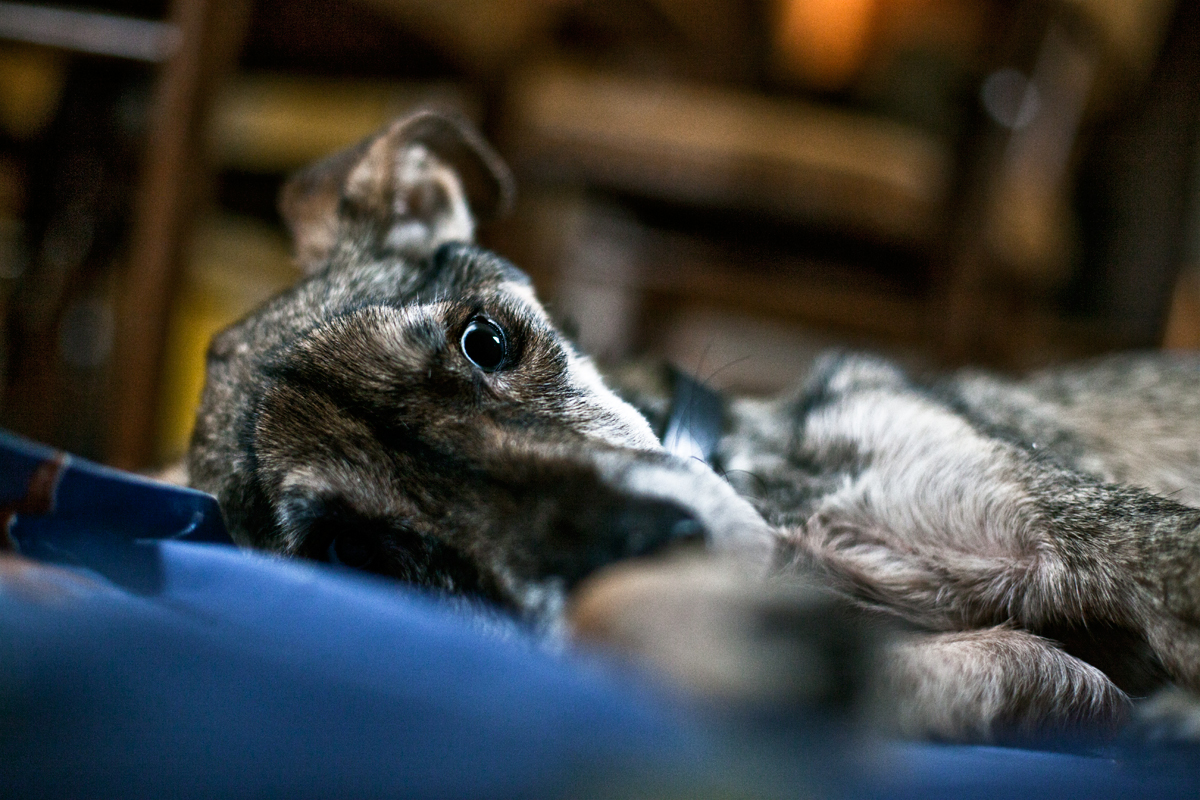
pixel 997 684
pixel 1170 716
pixel 717 627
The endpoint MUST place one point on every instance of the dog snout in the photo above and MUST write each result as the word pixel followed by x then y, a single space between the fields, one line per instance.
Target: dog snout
pixel 646 526
pixel 618 529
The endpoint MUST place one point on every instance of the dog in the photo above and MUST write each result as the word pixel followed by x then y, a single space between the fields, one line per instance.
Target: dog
pixel 409 408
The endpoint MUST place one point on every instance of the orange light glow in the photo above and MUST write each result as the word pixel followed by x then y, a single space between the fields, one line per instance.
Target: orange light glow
pixel 824 42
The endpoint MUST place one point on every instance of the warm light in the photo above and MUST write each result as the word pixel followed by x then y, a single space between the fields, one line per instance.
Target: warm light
pixel 824 42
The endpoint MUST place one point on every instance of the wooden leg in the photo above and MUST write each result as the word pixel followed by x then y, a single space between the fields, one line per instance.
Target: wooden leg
pixel 210 34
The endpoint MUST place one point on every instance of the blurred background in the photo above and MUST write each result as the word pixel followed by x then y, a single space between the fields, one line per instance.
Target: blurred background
pixel 734 185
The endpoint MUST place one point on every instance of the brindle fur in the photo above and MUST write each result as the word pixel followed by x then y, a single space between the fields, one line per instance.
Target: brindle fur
pixel 1044 534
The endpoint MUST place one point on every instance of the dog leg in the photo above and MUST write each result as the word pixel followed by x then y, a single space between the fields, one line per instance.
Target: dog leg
pixel 993 683
pixel 956 527
pixel 717 627
pixel 1079 554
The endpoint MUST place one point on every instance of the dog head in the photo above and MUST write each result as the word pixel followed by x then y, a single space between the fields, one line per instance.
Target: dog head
pixel 410 409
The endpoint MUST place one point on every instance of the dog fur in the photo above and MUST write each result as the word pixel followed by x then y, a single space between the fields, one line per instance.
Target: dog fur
pixel 1043 535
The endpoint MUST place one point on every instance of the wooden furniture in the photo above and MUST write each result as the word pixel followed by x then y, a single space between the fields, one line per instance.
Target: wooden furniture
pixel 209 35
pixel 194 48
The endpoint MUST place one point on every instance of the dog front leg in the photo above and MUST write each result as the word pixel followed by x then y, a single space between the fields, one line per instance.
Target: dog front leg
pixel 1051 550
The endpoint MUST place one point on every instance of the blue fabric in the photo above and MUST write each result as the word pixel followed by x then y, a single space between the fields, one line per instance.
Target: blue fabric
pixel 192 669
pixel 250 676
pixel 100 502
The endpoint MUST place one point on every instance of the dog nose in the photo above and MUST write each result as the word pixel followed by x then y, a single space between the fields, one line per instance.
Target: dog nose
pixel 613 529
pixel 645 526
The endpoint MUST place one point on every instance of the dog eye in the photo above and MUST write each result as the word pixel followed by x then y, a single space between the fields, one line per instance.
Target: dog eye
pixel 350 551
pixel 485 345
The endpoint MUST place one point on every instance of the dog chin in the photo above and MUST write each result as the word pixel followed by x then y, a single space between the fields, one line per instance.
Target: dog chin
pixel 542 606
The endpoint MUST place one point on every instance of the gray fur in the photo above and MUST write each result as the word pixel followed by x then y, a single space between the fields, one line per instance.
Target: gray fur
pixel 1043 534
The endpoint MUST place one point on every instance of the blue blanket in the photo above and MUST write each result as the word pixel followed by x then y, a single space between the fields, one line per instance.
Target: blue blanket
pixel 142 655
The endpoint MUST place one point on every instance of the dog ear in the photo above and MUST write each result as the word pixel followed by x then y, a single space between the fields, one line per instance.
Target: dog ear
pixel 423 180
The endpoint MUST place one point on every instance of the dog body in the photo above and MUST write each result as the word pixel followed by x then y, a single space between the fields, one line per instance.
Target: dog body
pixel 1016 519
pixel 410 409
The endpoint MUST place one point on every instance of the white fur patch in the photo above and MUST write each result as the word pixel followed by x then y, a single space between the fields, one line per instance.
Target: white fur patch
pixel 931 478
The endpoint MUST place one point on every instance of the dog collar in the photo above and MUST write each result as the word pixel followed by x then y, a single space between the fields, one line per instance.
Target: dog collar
pixel 696 419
